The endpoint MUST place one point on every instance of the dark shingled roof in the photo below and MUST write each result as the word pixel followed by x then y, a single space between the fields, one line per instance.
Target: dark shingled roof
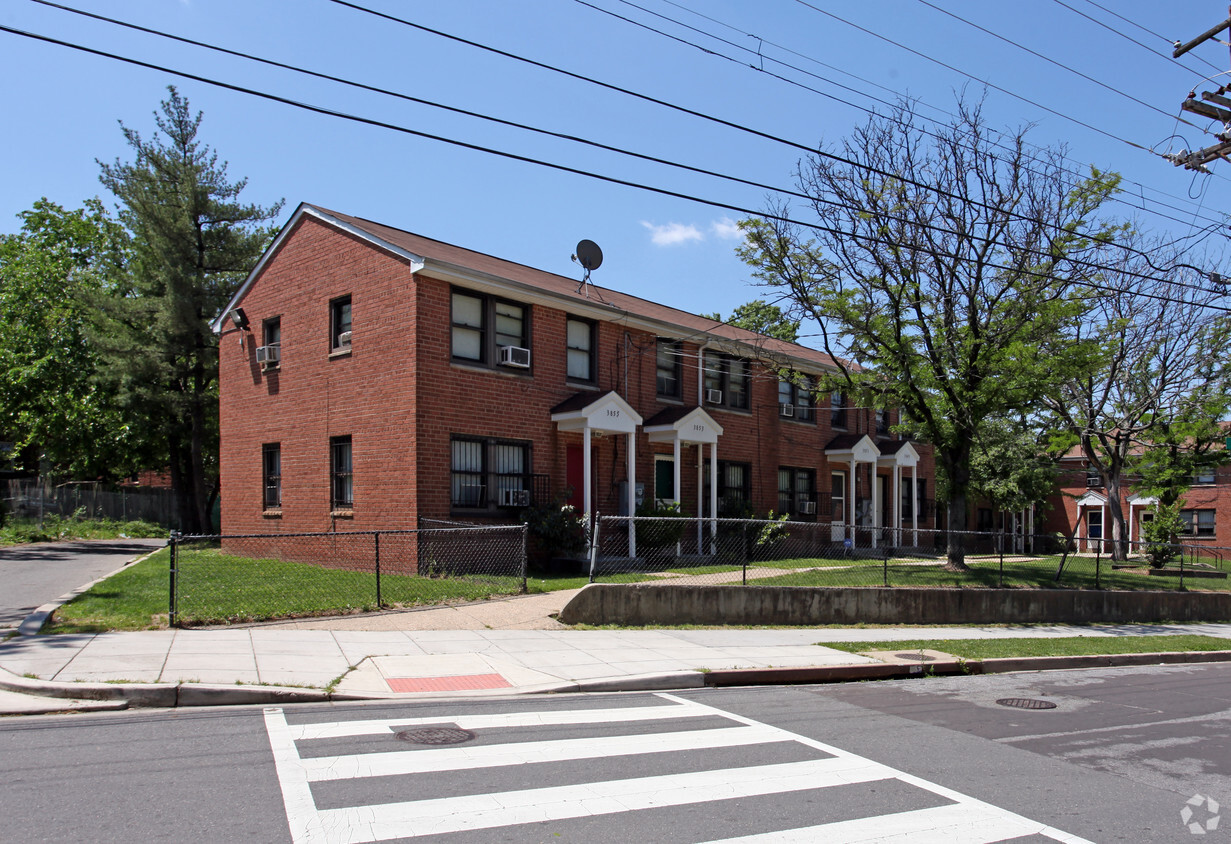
pixel 668 416
pixel 580 401
pixel 844 442
pixel 567 288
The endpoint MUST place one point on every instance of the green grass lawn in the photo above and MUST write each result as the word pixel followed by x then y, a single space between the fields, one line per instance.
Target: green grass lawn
pixel 1062 646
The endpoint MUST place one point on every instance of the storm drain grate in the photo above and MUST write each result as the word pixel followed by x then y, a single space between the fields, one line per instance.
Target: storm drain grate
pixel 1026 703
pixel 916 656
pixel 436 735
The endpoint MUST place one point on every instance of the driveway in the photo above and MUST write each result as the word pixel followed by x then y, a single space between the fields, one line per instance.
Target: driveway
pixel 32 575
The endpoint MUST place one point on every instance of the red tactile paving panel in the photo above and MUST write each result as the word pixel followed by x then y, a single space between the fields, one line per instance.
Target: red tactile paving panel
pixel 461 682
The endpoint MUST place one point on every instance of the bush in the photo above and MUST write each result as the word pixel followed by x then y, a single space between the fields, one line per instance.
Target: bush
pixel 660 534
pixel 555 529
pixel 1160 534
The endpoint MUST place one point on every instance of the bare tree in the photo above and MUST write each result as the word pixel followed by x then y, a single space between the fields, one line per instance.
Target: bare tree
pixel 946 270
pixel 1163 371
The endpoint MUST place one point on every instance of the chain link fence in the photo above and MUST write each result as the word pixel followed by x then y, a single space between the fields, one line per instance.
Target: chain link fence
pixel 238 578
pixel 39 499
pixel 782 553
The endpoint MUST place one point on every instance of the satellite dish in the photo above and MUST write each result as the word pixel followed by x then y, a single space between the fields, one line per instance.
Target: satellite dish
pixel 589 255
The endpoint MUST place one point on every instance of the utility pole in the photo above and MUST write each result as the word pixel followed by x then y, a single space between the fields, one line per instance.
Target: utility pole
pixel 1215 105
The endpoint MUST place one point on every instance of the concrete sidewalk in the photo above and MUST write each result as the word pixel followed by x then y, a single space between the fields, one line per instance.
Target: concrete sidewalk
pixel 503 646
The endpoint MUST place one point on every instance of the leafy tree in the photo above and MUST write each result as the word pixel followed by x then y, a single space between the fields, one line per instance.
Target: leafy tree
pixel 193 243
pixel 945 271
pixel 762 317
pixel 1009 467
pixel 51 273
pixel 1152 403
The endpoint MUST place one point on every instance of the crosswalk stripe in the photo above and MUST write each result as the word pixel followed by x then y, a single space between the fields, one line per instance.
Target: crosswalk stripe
pixel 361 824
pixel 401 763
pixel 377 726
pixel 952 824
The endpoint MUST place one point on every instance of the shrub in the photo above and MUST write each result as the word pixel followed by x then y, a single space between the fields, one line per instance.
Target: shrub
pixel 664 533
pixel 1161 533
pixel 555 529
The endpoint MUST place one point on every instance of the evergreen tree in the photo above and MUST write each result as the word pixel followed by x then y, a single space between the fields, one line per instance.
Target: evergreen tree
pixel 193 243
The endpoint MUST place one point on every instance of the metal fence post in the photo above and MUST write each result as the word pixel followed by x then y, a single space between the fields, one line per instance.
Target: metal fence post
pixel 525 532
pixel 745 555
pixel 1181 569
pixel 594 543
pixel 885 567
pixel 1098 570
pixel 172 543
pixel 376 549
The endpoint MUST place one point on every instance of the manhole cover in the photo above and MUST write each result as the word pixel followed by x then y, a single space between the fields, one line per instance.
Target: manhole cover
pixel 1026 703
pixel 436 735
pixel 916 656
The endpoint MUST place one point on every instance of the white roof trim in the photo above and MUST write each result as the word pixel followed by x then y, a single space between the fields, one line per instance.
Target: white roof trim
pixel 864 451
pixel 305 210
pixel 1090 499
pixel 1146 500
pixel 696 426
pixel 905 456
pixel 595 416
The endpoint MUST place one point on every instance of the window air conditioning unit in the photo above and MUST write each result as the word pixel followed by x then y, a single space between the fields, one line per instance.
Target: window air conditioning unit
pixel 786 409
pixel 515 356
pixel 807 508
pixel 514 498
pixel 268 355
pixel 713 396
pixel 344 338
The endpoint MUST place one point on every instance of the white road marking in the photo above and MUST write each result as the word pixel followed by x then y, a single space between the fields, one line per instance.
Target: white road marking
pixel 345 729
pixel 401 763
pixel 964 820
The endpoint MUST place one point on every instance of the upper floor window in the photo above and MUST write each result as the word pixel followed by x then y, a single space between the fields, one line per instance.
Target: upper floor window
pixel 582 365
pixel 482 326
pixel 795 400
pixel 669 366
pixel 1093 477
pixel 341 474
pixel 1204 476
pixel 726 381
pixel 487 473
pixel 339 324
pixel 271 474
pixel 882 422
pixel 269 353
pixel 837 410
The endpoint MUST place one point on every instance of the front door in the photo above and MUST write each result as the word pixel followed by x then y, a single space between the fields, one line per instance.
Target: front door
pixel 664 479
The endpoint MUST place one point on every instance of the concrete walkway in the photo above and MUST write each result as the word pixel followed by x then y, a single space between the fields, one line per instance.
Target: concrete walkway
pixel 503 646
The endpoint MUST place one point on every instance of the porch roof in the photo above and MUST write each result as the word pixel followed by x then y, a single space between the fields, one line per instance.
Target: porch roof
pixel 686 424
pixel 606 412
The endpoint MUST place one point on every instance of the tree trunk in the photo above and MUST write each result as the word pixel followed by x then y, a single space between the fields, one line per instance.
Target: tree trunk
pixel 957 467
pixel 1119 537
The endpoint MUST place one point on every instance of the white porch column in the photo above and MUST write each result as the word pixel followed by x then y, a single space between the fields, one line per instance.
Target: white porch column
pixel 852 507
pixel 632 493
pixel 713 498
pixel 1131 504
pixel 1102 532
pixel 914 506
pixel 897 504
pixel 675 471
pixel 701 494
pixel 586 495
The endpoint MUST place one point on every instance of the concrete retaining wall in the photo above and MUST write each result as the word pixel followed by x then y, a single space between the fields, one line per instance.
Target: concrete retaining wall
pixel 639 604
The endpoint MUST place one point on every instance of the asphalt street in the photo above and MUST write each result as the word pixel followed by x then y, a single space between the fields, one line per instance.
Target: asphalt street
pixel 1119 758
pixel 33 575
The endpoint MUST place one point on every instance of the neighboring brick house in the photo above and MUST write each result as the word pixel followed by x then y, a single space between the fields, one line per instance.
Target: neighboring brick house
pixel 370 377
pixel 1079 506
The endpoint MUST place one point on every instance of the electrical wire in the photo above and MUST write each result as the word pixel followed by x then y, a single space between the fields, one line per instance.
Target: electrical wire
pixel 1129 38
pixel 1146 30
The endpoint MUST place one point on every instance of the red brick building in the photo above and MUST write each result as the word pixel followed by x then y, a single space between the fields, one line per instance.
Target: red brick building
pixel 1080 506
pixel 371 377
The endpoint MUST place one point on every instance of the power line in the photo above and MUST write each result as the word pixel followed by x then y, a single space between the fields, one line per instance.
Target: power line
pixel 694 113
pixel 577 171
pixel 1129 38
pixel 1130 22
pixel 761 69
pixel 1052 61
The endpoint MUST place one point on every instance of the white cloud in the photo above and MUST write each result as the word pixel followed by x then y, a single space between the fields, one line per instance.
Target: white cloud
pixel 673 234
pixel 726 229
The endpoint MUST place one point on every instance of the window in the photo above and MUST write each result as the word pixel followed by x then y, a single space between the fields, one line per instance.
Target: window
pixel 837 410
pixel 882 422
pixel 271 475
pixel 481 326
pixel 734 489
pixel 670 354
pixel 1204 476
pixel 798 397
pixel 341 474
pixel 983 520
pixel 1198 522
pixel 484 472
pixel 581 358
pixel 726 381
pixel 797 492
pixel 339 324
pixel 271 338
pixel 1093 478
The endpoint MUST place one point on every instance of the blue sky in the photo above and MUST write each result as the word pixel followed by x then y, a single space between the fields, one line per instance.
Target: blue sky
pixel 61 110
